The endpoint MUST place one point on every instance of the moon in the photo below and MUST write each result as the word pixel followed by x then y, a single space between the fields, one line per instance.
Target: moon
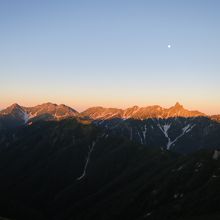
pixel 169 46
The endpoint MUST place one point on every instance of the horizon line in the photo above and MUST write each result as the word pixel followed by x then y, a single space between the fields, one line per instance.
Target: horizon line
pixel 101 106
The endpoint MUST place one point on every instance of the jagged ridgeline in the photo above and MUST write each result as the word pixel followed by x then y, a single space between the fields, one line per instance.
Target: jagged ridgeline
pixel 79 167
pixel 174 128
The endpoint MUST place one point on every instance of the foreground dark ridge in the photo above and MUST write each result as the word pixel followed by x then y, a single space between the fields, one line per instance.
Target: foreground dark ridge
pixel 41 169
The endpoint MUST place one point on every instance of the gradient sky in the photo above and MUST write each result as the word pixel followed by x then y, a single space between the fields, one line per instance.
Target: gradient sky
pixel 112 53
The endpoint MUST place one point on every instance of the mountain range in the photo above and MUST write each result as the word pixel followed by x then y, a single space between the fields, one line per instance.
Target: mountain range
pixel 173 128
pixel 47 111
pixel 50 111
pixel 70 169
pixel 141 113
pixel 108 164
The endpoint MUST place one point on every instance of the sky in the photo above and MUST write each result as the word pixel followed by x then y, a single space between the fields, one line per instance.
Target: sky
pixel 114 53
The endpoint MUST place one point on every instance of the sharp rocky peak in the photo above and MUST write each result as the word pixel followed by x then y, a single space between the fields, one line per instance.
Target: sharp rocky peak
pixel 178 105
pixel 12 108
pixel 45 111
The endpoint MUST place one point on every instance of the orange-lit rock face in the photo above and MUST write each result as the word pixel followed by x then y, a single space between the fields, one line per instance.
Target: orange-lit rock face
pixel 50 111
pixel 136 112
pixel 47 111
pixel 215 117
pixel 53 110
pixel 15 111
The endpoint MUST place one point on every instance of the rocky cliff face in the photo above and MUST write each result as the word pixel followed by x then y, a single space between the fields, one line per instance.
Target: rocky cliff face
pixel 16 115
pixel 135 112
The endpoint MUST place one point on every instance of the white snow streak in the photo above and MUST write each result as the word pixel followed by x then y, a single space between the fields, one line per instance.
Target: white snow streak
pixel 25 117
pixel 87 161
pixel 144 132
pixel 165 129
pixel 216 155
pixel 140 137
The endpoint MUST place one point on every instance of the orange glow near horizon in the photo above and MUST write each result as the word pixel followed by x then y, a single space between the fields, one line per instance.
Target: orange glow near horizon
pixel 82 104
pixel 106 54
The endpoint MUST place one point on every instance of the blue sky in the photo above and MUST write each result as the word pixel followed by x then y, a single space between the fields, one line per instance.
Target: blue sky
pixel 111 53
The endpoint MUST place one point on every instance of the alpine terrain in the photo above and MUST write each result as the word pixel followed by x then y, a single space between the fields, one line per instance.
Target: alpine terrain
pixel 105 163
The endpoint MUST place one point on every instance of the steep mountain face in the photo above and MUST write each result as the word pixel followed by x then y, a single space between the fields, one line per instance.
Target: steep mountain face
pixel 68 170
pixel 174 128
pixel 100 113
pixel 16 115
pixel 15 111
pixel 184 135
pixel 50 111
pixel 13 116
pixel 215 117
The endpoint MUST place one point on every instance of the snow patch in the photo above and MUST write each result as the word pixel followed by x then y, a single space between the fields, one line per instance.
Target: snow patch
pixel 180 168
pixel 165 129
pixel 216 155
pixel 140 137
pixel 25 117
pixel 144 132
pixel 147 215
pixel 91 148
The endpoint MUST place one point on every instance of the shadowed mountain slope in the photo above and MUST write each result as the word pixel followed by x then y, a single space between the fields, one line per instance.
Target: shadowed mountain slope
pixel 70 170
